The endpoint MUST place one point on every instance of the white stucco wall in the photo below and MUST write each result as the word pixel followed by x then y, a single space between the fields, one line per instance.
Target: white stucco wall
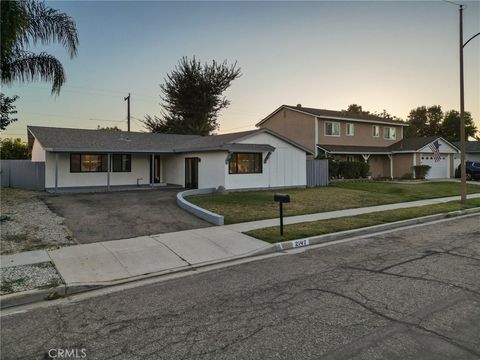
pixel 211 169
pixel 38 153
pixel 285 167
pixel 140 169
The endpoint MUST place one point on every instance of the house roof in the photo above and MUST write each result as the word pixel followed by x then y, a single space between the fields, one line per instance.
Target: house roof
pixel 404 145
pixel 81 140
pixel 338 115
pixel 416 143
pixel 349 149
pixel 470 146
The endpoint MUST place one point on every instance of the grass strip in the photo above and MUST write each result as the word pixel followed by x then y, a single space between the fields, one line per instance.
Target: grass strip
pixel 239 207
pixel 321 227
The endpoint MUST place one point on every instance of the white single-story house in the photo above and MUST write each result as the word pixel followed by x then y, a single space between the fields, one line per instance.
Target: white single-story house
pixel 80 158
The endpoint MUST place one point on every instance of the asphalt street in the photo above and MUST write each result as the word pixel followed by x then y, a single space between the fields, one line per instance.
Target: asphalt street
pixel 409 294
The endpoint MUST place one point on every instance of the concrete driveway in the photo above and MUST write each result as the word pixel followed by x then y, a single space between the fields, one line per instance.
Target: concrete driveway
pixel 94 217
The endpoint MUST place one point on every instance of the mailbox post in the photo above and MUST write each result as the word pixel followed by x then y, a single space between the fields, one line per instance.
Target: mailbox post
pixel 281 198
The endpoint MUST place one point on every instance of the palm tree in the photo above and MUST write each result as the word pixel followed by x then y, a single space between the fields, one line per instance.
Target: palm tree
pixel 25 23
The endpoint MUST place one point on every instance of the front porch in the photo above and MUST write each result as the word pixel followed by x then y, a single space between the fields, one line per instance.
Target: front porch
pixel 93 172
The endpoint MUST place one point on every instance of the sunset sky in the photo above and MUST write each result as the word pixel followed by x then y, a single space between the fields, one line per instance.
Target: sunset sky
pixel 381 55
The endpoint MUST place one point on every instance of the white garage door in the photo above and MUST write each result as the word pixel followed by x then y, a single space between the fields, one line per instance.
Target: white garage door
pixel 439 169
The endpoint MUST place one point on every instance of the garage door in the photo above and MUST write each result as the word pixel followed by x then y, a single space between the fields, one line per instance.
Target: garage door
pixel 438 169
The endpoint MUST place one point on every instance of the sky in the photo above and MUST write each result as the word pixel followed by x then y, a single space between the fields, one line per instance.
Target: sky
pixel 393 55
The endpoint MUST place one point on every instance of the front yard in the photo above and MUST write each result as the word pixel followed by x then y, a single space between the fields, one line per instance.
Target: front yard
pixel 28 224
pixel 321 227
pixel 239 207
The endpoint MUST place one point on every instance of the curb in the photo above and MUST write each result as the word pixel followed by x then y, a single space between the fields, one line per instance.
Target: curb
pixel 32 296
pixel 371 230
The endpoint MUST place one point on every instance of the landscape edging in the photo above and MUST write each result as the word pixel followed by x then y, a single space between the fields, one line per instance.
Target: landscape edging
pixel 202 213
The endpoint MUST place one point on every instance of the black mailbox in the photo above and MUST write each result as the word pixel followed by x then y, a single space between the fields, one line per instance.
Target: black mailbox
pixel 281 198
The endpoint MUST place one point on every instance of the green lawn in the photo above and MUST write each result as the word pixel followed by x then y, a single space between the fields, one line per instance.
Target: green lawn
pixel 239 207
pixel 308 229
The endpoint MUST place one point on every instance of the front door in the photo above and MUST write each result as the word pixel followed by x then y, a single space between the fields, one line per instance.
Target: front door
pixel 191 173
pixel 156 172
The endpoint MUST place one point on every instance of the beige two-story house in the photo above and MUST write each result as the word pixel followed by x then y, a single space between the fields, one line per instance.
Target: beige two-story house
pixel 355 137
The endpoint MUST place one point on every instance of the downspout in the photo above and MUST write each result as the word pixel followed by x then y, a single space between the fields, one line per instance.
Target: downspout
pixel 108 172
pixel 56 172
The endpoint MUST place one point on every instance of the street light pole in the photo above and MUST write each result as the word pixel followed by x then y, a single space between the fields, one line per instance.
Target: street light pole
pixel 463 173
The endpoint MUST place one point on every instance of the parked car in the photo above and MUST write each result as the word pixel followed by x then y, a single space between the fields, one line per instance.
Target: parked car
pixel 473 170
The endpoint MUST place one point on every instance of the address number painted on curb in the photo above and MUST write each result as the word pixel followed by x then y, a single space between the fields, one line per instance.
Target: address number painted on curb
pixel 298 243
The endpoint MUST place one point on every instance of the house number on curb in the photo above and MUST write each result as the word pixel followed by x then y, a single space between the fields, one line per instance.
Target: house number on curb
pixel 298 243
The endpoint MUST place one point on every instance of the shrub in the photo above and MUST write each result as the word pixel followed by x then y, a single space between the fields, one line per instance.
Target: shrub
pixel 407 176
pixel 333 167
pixel 353 169
pixel 421 171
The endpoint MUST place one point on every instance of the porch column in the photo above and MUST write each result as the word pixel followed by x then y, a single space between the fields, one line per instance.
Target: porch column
pixel 152 167
pixel 161 169
pixel 414 163
pixel 108 172
pixel 391 165
pixel 56 172
pixel 365 157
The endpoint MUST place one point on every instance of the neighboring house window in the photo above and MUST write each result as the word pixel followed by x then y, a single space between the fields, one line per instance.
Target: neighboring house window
pixel 88 162
pixel 389 133
pixel 349 130
pixel 375 131
pixel 332 129
pixel 121 163
pixel 245 163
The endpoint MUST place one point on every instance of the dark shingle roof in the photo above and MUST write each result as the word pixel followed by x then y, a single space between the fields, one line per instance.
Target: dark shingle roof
pixel 354 149
pixel 412 144
pixel 63 139
pixel 81 140
pixel 407 145
pixel 340 115
pixel 470 146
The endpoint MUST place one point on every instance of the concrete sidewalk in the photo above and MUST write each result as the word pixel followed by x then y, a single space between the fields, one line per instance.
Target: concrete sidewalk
pixel 110 261
pixel 253 225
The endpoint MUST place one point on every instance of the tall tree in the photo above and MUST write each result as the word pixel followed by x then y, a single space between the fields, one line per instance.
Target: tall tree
pixel 435 118
pixel 192 97
pixel 417 119
pixel 25 23
pixel 6 110
pixel 424 121
pixel 450 129
pixel 13 149
pixel 356 109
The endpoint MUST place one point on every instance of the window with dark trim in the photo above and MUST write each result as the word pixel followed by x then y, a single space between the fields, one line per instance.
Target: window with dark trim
pixel 88 162
pixel 245 163
pixel 121 163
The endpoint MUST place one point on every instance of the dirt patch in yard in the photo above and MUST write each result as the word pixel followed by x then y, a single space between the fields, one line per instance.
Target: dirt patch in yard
pixel 28 224
pixel 28 277
pixel 94 217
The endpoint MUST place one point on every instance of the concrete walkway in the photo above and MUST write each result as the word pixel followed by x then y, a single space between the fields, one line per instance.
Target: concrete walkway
pixel 110 261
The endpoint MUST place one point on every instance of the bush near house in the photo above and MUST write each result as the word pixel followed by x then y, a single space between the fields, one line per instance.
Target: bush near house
pixel 421 171
pixel 348 169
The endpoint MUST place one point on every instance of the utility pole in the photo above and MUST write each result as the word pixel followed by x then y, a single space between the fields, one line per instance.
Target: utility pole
pixel 128 110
